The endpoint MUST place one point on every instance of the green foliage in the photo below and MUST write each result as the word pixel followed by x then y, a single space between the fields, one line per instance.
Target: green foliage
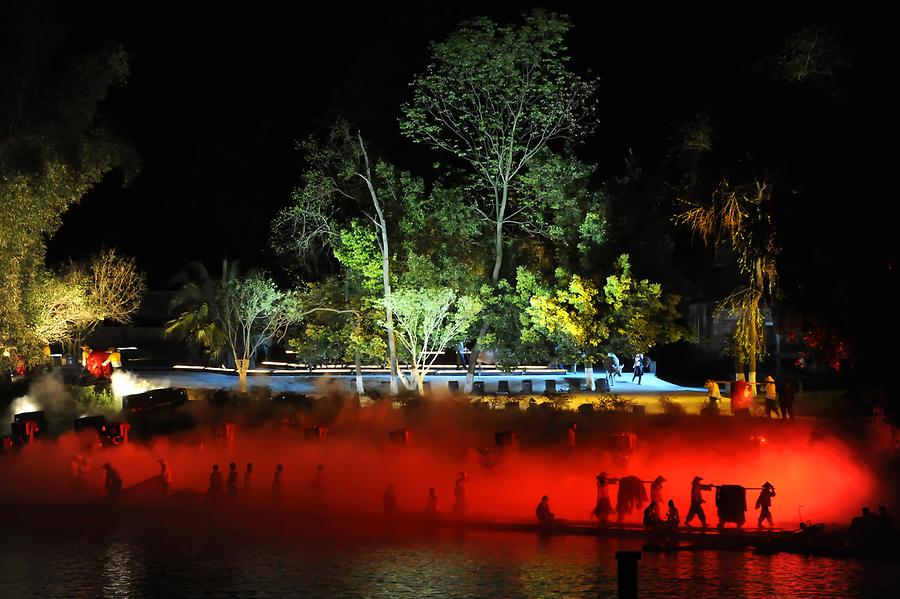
pixel 60 306
pixel 427 321
pixel 252 311
pixel 319 344
pixel 640 315
pixel 571 316
pixel 240 312
pixel 811 54
pixel 194 307
pixel 93 398
pixel 442 240
pixel 303 231
pixel 612 402
pixel 327 335
pixel 586 322
pixel 357 250
pixel 55 148
pixel 495 97
pixel 512 332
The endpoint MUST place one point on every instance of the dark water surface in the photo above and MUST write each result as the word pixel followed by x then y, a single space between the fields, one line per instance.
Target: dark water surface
pixel 169 561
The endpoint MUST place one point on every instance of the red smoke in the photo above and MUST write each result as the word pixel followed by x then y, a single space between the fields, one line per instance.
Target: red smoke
pixel 823 474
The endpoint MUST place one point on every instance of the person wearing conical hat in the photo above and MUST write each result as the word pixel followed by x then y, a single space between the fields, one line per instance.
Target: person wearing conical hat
pixel 85 354
pixel 656 491
pixel 771 397
pixel 764 502
pixel 697 501
pixel 113 359
pixel 603 508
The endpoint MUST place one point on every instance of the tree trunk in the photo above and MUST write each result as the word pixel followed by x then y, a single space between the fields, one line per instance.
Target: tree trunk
pixel 473 359
pixel 754 337
pixel 589 375
pixel 418 380
pixel 385 269
pixel 495 276
pixel 738 363
pixel 360 389
pixel 751 360
pixel 242 366
pixel 498 245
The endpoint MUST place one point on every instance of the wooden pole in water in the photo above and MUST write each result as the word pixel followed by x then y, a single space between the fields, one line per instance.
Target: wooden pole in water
pixel 628 573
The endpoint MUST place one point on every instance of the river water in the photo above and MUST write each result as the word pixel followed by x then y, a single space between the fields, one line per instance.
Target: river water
pixel 171 561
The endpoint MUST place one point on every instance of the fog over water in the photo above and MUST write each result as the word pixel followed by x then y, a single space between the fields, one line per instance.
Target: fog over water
pixel 71 543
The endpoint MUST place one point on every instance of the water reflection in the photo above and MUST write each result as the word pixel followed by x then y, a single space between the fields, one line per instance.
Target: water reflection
pixel 155 563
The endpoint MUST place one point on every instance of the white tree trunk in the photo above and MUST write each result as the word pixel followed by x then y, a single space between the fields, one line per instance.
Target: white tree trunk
pixel 495 276
pixel 360 390
pixel 589 375
pixel 385 270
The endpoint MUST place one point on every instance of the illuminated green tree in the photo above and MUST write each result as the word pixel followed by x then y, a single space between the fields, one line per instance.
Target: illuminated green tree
pixel 54 148
pixel 60 306
pixel 626 315
pixel 496 97
pixel 572 315
pixel 639 314
pixel 342 175
pixel 252 311
pixel 352 333
pixel 428 320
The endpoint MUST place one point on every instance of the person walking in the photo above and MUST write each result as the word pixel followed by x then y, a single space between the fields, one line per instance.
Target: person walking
pixel 461 354
pixel 697 501
pixel 771 397
pixel 603 507
pixel 638 368
pixel 764 502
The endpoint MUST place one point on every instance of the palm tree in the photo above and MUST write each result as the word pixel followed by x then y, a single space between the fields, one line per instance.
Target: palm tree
pixel 742 216
pixel 194 306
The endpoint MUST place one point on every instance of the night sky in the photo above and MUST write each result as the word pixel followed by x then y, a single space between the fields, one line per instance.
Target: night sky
pixel 218 96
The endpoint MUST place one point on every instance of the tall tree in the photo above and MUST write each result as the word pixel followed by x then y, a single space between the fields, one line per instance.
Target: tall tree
pixel 341 174
pixel 741 216
pixel 54 147
pixel 496 98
